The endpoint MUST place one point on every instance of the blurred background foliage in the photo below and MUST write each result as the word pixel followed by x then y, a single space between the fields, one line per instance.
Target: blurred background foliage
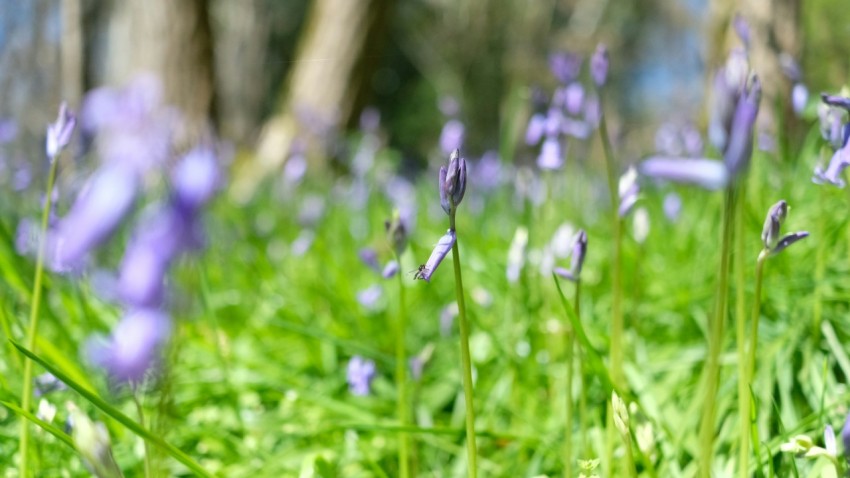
pixel 264 72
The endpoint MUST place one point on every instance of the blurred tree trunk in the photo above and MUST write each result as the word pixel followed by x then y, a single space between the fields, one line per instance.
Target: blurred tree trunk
pixel 172 39
pixel 331 69
pixel 775 27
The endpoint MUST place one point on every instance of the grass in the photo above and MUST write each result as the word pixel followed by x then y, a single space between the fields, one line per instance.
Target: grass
pixel 256 378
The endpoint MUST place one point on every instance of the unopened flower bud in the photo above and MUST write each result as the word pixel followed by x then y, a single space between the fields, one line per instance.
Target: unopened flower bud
pixel 59 133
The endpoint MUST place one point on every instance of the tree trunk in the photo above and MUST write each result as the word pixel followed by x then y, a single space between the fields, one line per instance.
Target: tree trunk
pixel 327 78
pixel 171 39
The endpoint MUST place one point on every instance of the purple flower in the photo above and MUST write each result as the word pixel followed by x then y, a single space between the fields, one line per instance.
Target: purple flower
pixel 416 367
pixel 535 129
pixel 835 100
pixel 629 190
pixel 438 254
pixel 832 174
pixel 729 83
pixel 95 215
pixel 599 65
pixel 799 97
pixel 487 173
pixel 742 28
pixel 360 373
pixel 832 126
pixel 550 154
pixel 845 436
pixel 195 179
pixel 370 296
pixel 390 270
pixel 707 173
pixel 776 215
pixel 8 130
pixel 672 206
pixel 577 258
pixel 451 138
pixel 739 149
pixel 59 133
pixel 574 98
pixel 565 66
pixel 369 257
pixel 142 274
pixel 48 383
pixel 452 182
pixel 133 128
pixel 134 345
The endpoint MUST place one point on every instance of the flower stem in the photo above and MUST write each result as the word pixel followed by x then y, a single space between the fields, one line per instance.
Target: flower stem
pixel 754 322
pixel 568 424
pixel 401 381
pixel 741 342
pixel 616 351
pixel 147 458
pixel 466 363
pixel 26 396
pixel 715 340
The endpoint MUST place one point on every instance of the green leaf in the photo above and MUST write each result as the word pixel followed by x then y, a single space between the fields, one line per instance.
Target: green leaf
pixel 128 422
pixel 62 436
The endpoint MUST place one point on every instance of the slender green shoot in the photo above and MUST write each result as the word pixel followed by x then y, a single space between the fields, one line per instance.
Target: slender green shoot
pixel 568 424
pixel 26 395
pixel 401 381
pixel 715 340
pixel 141 411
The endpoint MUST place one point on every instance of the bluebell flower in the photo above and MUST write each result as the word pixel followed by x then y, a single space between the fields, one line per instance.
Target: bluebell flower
pixel 438 254
pixel 672 206
pixel 579 251
pixel 707 173
pixel 360 373
pixel 565 66
pixel 59 132
pixel 452 136
pixel 770 236
pixel 599 65
pixel 133 347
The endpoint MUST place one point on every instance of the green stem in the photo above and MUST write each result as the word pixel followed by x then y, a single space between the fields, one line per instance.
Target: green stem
pixel 715 341
pixel 616 351
pixel 754 322
pixel 466 363
pixel 820 268
pixel 568 425
pixel 26 396
pixel 147 458
pixel 401 381
pixel 741 342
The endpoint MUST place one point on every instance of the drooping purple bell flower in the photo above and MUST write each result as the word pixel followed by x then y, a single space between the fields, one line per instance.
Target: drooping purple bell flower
pixel 550 156
pixel 833 172
pixel 565 66
pixel 845 437
pixel 195 178
pixel 141 277
pixel 59 133
pixel 452 136
pixel 360 373
pixel 770 236
pixel 599 65
pixel 799 98
pixel 707 173
pixel 535 129
pixel 437 255
pixel 133 348
pixel 576 258
pixel 95 215
pixel 739 149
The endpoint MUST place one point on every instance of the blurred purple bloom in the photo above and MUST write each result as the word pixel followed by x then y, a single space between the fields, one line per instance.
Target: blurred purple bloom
pixel 451 138
pixel 629 190
pixel 565 66
pixel 790 67
pixel 599 65
pixel 799 97
pixel 133 128
pixel 592 110
pixel 729 84
pixel 487 172
pixel 369 257
pixel 416 366
pixel 447 317
pixel 574 98
pixel 707 173
pixel 8 130
pixel 835 100
pixel 21 178
pixel 550 154
pixel 48 383
pixel 672 206
pixel 26 237
pixel 59 133
pixel 845 436
pixel 195 178
pixel 739 149
pixel 142 274
pixel 832 174
pixel 832 126
pixel 134 345
pixel 370 296
pixel 535 129
pixel 742 28
pixel 554 119
pixel 95 215
pixel 577 258
pixel 438 254
pixel 302 243
pixel 370 120
pixel 295 168
pixel 360 373
pixel 390 270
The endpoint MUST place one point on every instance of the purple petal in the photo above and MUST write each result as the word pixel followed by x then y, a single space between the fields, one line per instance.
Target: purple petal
pixel 369 257
pixel 672 206
pixel 574 98
pixel 565 66
pixel 370 296
pixel 444 195
pixel 799 98
pixel 59 133
pixel 438 254
pixel 133 347
pixel 360 373
pixel 599 65
pixel 142 275
pixel 836 100
pixel 706 173
pixel 550 154
pixel 740 147
pixel 390 270
pixel 196 178
pixel 451 138
pixel 789 239
pixel 534 131
pixel 95 215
